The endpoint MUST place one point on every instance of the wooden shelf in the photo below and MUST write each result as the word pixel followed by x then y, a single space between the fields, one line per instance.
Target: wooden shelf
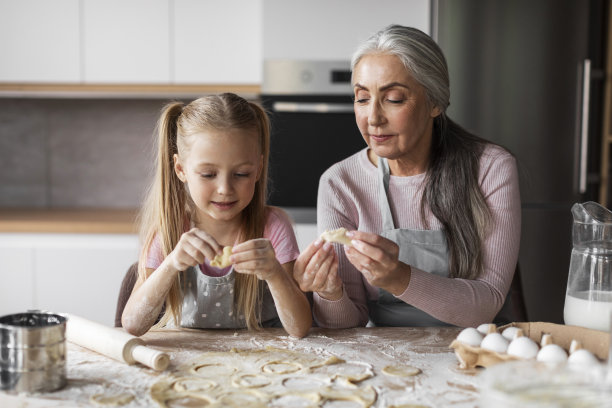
pixel 109 221
pixel 46 90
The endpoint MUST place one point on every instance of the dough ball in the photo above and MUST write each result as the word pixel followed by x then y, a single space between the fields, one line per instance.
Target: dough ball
pixel 337 236
pixel 222 261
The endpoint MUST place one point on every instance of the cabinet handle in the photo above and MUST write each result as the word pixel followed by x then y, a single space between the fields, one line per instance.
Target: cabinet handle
pixel 584 125
pixel 308 107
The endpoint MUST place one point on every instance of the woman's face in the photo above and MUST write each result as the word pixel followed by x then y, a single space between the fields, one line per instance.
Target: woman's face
pixel 220 171
pixel 392 110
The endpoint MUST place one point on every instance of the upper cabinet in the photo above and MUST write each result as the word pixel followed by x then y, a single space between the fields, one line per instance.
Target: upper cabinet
pixel 217 41
pixel 126 41
pixel 332 30
pixel 39 41
pixel 182 42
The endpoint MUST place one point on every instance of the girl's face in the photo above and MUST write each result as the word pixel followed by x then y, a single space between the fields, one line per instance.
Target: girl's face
pixel 392 111
pixel 220 171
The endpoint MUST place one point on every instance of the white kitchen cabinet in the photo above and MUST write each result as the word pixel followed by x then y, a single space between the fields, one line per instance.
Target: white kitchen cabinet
pixel 332 30
pixel 217 42
pixel 65 273
pixel 126 41
pixel 39 41
pixel 16 278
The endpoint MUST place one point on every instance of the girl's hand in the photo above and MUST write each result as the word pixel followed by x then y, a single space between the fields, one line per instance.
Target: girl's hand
pixel 377 259
pixel 316 270
pixel 256 257
pixel 194 246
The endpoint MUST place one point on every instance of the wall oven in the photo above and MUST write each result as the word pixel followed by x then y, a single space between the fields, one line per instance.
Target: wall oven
pixel 313 126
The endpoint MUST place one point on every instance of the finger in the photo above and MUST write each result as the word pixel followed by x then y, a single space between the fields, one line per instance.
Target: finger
pixel 373 252
pixel 201 246
pixel 322 274
pixel 258 243
pixel 188 254
pixel 208 239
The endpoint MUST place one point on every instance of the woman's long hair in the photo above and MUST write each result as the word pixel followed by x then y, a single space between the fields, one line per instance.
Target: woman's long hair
pixel 451 190
pixel 168 207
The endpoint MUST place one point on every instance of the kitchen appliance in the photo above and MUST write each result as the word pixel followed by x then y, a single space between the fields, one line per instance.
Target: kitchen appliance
pixel 588 301
pixel 529 75
pixel 32 352
pixel 313 126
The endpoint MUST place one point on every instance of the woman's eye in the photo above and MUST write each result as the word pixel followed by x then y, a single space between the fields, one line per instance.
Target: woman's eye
pixel 361 100
pixel 395 100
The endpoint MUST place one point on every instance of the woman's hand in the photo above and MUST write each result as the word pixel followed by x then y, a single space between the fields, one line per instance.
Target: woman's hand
pixel 194 246
pixel 316 270
pixel 377 259
pixel 256 257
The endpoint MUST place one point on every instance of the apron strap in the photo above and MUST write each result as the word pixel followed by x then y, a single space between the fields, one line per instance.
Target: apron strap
pixel 385 209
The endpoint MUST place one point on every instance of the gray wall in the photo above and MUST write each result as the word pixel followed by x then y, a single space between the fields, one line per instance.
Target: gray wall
pixel 88 153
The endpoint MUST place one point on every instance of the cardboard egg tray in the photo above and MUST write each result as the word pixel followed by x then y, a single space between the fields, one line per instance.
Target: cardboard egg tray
pixel 597 342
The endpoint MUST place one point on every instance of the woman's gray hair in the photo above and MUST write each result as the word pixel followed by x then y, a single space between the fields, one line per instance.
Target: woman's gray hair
pixel 420 55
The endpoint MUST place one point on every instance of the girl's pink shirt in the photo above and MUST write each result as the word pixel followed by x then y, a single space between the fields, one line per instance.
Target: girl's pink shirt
pixel 278 230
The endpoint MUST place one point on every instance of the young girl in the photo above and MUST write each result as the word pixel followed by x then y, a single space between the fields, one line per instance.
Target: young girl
pixel 209 193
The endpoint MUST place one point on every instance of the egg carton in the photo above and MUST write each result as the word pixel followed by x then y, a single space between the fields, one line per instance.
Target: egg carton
pixel 567 338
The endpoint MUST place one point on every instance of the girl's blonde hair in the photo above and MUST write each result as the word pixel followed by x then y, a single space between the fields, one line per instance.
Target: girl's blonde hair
pixel 168 206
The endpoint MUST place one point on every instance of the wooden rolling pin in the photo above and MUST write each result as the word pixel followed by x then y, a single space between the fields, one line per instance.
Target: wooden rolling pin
pixel 114 343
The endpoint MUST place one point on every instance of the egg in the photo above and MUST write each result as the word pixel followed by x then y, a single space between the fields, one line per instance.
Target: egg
pixel 510 332
pixel 470 336
pixel 523 347
pixel 486 328
pixel 495 342
pixel 552 353
pixel 582 357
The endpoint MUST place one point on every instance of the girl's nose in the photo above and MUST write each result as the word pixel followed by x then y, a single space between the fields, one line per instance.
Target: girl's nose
pixel 224 186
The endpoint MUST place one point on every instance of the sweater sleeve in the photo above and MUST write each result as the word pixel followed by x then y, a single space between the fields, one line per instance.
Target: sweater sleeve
pixel 333 211
pixel 465 302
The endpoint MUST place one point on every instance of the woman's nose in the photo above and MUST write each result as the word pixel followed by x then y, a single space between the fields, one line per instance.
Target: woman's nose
pixel 376 115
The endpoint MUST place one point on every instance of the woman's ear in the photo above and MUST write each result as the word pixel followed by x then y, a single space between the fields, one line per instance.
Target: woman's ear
pixel 178 169
pixel 435 111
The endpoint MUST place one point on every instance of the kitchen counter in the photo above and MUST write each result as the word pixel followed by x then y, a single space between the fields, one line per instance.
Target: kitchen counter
pixel 440 384
pixel 68 221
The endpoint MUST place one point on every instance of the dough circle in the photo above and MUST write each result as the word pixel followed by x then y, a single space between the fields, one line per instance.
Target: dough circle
pixel 263 378
pixel 222 261
pixel 111 400
pixel 401 371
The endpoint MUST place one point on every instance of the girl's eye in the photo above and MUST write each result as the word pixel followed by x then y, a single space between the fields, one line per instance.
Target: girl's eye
pixel 243 174
pixel 207 175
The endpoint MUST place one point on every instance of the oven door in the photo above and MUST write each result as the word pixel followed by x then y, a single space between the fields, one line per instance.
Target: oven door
pixel 309 134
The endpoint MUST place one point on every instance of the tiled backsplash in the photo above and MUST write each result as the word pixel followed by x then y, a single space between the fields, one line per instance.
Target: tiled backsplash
pixel 57 153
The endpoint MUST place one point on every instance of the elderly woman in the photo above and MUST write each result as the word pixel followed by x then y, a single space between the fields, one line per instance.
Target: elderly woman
pixel 433 212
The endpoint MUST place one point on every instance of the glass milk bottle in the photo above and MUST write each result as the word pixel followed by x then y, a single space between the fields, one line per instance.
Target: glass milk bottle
pixel 588 300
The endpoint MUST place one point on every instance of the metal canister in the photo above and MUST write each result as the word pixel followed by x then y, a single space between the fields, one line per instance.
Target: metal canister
pixel 32 351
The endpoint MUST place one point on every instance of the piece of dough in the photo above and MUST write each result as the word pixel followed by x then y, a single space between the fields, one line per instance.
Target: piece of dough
pixel 401 371
pixel 222 261
pixel 264 377
pixel 111 400
pixel 337 235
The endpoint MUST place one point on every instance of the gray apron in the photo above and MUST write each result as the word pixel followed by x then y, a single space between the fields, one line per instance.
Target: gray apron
pixel 208 302
pixel 423 249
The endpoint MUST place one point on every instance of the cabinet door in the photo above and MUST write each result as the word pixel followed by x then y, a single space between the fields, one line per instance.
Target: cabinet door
pixel 39 41
pixel 332 30
pixel 16 276
pixel 126 41
pixel 217 42
pixel 82 274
